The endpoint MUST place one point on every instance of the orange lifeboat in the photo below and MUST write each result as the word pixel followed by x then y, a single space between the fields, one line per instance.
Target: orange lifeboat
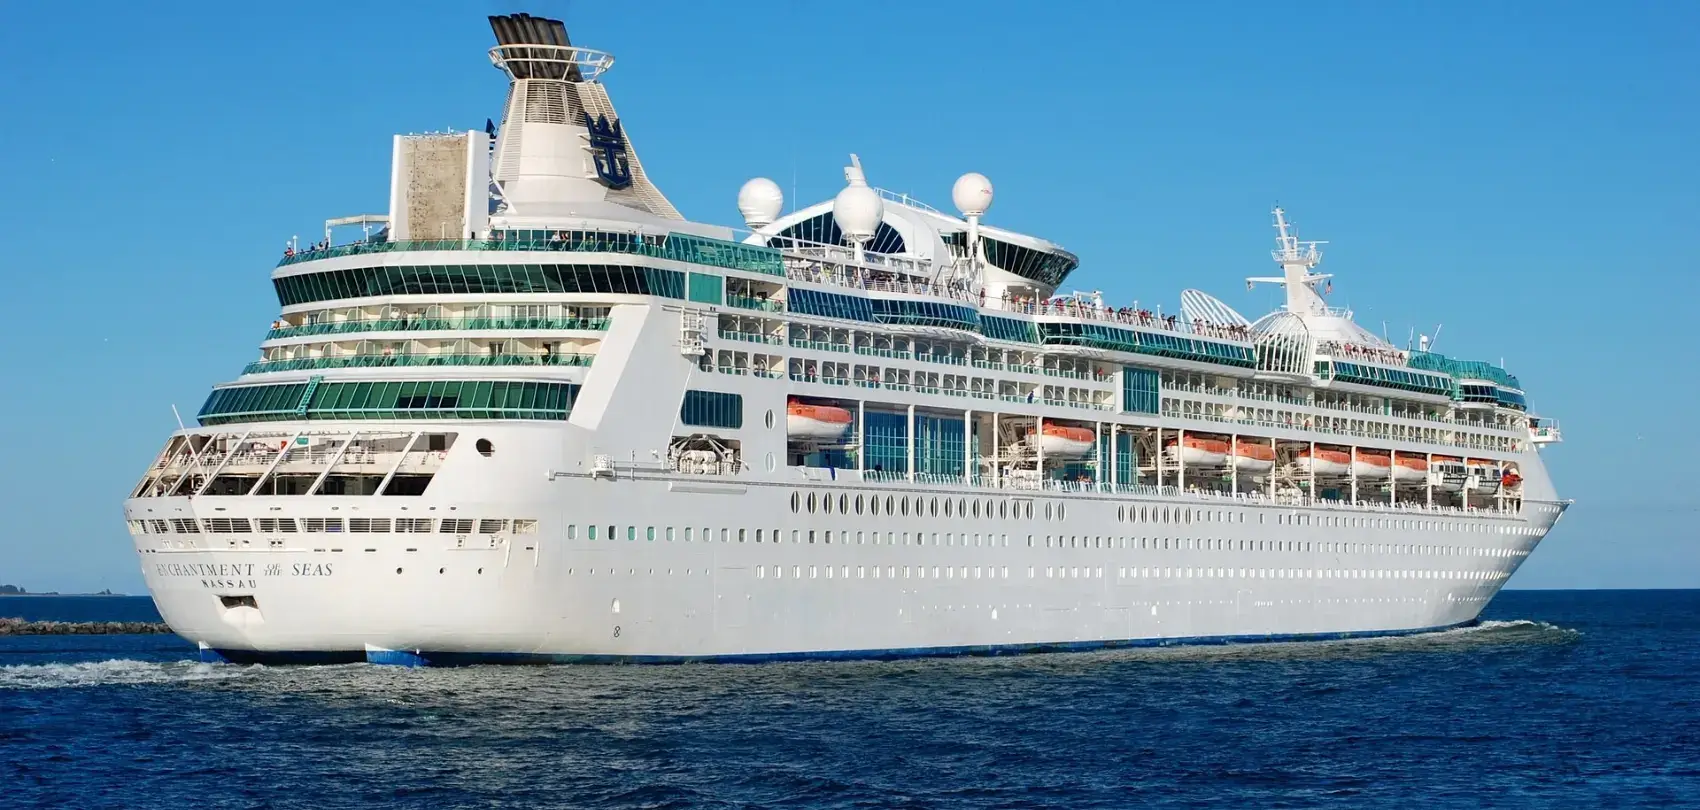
pixel 1375 465
pixel 1253 458
pixel 1200 450
pixel 1410 468
pixel 1066 441
pixel 1326 462
pixel 815 422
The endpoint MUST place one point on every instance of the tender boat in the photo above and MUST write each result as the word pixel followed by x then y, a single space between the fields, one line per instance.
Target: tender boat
pixel 1254 458
pixel 1201 450
pixel 1065 441
pixel 1326 462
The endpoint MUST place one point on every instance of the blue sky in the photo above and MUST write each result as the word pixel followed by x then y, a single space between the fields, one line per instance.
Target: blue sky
pixel 1525 174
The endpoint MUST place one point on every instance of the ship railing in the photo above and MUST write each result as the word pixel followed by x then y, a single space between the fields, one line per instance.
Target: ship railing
pixel 417 359
pixel 1076 307
pixel 1353 352
pixel 681 247
pixel 816 271
pixel 432 324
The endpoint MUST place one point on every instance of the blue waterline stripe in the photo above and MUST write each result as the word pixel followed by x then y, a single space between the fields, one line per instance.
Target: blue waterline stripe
pixel 458 659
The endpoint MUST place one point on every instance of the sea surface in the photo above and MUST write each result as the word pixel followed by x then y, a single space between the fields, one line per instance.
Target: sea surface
pixel 1573 699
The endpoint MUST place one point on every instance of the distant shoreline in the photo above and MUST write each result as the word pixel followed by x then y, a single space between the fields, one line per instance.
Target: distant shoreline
pixel 27 595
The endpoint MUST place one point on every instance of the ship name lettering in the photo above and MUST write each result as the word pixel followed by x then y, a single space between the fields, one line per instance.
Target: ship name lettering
pixel 311 569
pixel 228 584
pixel 200 570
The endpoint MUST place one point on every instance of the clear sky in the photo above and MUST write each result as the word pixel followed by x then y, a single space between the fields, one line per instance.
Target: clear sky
pixel 1524 173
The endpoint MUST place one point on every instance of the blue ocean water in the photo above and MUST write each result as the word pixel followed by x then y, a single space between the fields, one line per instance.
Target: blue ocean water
pixel 1560 699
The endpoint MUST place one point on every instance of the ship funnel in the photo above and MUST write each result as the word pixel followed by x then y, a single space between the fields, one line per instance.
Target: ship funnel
pixel 561 143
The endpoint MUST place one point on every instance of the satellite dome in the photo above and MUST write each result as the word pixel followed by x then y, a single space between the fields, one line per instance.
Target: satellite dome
pixel 972 194
pixel 760 201
pixel 858 211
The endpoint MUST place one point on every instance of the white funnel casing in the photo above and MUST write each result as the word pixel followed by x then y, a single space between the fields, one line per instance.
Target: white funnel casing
pixel 548 163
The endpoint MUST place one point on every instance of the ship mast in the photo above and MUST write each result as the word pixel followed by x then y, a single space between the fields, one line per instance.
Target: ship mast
pixel 1296 259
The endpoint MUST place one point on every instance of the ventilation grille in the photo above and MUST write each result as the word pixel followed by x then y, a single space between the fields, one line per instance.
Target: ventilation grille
pixel 546 103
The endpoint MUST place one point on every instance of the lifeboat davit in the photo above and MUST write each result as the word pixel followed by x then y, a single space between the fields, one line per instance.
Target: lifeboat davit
pixel 815 422
pixel 1199 450
pixel 1254 458
pixel 1410 468
pixel 1374 465
pixel 1327 462
pixel 1064 441
pixel 1448 473
pixel 1484 475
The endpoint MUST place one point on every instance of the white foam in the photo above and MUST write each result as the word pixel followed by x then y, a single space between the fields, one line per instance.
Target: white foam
pixel 112 672
pixel 1516 624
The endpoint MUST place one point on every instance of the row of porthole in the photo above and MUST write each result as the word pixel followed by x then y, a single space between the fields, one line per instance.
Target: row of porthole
pixel 1086 572
pixel 903 506
pixel 826 536
pixel 1165 514
pixel 1298 546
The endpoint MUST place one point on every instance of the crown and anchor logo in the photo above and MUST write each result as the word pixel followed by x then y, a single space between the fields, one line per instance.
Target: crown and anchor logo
pixel 608 145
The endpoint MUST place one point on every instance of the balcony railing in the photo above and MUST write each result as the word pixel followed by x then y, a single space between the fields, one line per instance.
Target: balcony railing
pixel 434 324
pixel 747 302
pixel 419 359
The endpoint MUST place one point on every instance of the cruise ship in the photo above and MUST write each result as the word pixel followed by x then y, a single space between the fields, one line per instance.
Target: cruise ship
pixel 531 414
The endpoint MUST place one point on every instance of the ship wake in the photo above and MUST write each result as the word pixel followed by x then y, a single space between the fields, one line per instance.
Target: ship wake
pixel 115 672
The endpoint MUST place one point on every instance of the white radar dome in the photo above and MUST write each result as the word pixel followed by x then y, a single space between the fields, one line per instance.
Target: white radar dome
pixel 858 211
pixel 760 201
pixel 972 194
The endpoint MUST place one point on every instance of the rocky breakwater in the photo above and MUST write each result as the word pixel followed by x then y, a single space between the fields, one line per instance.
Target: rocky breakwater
pixel 19 627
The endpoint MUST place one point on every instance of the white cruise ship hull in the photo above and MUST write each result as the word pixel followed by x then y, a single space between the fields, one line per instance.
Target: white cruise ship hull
pixel 1193 570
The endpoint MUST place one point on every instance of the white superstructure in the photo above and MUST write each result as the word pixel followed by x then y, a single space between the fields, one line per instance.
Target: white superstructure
pixel 532 414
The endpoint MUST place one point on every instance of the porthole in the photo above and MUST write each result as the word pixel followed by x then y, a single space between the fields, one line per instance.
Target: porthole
pixel 811 503
pixel 796 502
pixel 772 462
pixel 1121 513
pixel 770 419
pixel 947 507
pixel 902 506
pixel 843 504
pixel 873 504
pixel 1047 510
pixel 826 505
pixel 1003 510
pixel 976 509
pixel 1061 511
pixel 935 507
pixel 962 507
pixel 858 504
pixel 484 447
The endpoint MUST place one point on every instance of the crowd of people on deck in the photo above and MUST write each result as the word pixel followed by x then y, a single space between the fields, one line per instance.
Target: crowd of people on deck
pixel 290 250
pixel 1353 351
pixel 1134 316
